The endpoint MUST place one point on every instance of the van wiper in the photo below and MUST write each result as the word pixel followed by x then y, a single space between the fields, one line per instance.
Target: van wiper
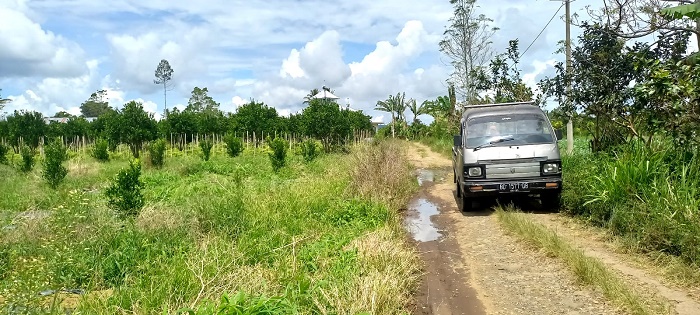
pixel 493 143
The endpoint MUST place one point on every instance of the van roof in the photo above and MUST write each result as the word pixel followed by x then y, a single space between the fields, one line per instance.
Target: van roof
pixel 497 109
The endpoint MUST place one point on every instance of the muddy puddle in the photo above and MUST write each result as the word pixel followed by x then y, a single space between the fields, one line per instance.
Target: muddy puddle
pixel 418 222
pixel 425 176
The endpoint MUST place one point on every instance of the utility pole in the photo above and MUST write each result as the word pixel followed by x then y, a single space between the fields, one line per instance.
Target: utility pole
pixel 569 124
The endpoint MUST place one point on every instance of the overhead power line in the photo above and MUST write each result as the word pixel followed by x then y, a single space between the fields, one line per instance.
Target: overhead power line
pixel 542 31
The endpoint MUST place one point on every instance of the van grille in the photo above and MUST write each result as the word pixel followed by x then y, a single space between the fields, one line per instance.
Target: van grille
pixel 510 170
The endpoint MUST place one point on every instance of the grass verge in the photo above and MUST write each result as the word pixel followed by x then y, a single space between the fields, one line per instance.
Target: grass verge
pixel 588 270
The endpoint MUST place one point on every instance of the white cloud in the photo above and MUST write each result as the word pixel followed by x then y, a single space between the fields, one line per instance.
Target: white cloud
pixel 136 57
pixel 51 95
pixel 383 71
pixel 28 50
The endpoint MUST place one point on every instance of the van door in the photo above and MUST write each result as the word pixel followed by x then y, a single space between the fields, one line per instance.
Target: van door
pixel 460 155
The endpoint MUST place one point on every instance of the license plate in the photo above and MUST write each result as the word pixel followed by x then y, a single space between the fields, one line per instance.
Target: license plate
pixel 514 186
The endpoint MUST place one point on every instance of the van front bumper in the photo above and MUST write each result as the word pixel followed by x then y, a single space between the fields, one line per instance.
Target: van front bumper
pixel 491 187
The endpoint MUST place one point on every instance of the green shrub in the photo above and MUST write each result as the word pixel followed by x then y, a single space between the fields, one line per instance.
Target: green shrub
pixel 156 153
pixel 101 150
pixel 646 194
pixel 309 150
pixel 206 146
pixel 3 153
pixel 55 154
pixel 27 159
pixel 4 261
pixel 234 145
pixel 125 194
pixel 278 156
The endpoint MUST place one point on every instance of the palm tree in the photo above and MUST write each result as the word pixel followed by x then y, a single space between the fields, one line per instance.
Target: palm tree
pixel 309 96
pixel 388 106
pixel 396 105
pixel 416 109
pixel 441 107
pixel 3 101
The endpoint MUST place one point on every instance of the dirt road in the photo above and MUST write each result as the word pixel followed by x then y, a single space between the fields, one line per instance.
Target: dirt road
pixel 473 267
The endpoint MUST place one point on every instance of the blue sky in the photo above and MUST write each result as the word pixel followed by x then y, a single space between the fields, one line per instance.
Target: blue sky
pixel 57 52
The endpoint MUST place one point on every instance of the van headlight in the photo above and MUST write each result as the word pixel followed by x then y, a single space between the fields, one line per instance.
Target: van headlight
pixel 551 168
pixel 474 172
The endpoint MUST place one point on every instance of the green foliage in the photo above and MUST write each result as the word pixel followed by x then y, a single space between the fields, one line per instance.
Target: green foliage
pixel 183 125
pixel 55 154
pixel 234 145
pixel 100 150
pixel 125 194
pixel 647 194
pixel 164 73
pixel 156 153
pixel 137 127
pixel 3 153
pixel 502 77
pixel 309 150
pixel 206 146
pixel 395 105
pixel 278 156
pixel 323 120
pixel 27 127
pixel 109 127
pixel 97 105
pixel 27 162
pixel 256 117
pixel 668 99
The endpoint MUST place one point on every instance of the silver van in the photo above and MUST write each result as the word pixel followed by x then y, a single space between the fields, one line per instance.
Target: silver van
pixel 507 148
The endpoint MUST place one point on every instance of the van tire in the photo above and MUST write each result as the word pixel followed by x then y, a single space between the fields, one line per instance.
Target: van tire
pixel 551 201
pixel 467 204
pixel 459 190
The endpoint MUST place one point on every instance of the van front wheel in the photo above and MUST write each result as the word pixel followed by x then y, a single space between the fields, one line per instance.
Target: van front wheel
pixel 551 201
pixel 459 191
pixel 467 205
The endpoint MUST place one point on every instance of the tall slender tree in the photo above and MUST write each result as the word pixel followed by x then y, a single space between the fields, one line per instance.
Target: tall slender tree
pixel 164 74
pixel 467 45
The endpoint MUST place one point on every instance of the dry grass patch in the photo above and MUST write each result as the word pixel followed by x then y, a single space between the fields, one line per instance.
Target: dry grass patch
pixel 389 273
pixel 157 216
pixel 80 167
pixel 381 172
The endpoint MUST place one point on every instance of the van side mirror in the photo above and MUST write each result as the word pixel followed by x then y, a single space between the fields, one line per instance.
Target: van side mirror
pixel 558 133
pixel 457 141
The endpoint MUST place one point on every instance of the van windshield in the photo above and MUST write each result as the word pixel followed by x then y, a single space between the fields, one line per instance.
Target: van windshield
pixel 523 129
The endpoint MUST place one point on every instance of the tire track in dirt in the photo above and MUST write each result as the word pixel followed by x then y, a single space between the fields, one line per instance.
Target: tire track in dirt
pixel 682 301
pixel 504 276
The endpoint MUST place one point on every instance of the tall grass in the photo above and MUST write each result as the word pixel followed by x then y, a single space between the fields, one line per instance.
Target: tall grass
pixel 227 234
pixel 650 195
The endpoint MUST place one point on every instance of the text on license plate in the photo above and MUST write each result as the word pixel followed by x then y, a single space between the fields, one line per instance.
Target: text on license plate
pixel 514 186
